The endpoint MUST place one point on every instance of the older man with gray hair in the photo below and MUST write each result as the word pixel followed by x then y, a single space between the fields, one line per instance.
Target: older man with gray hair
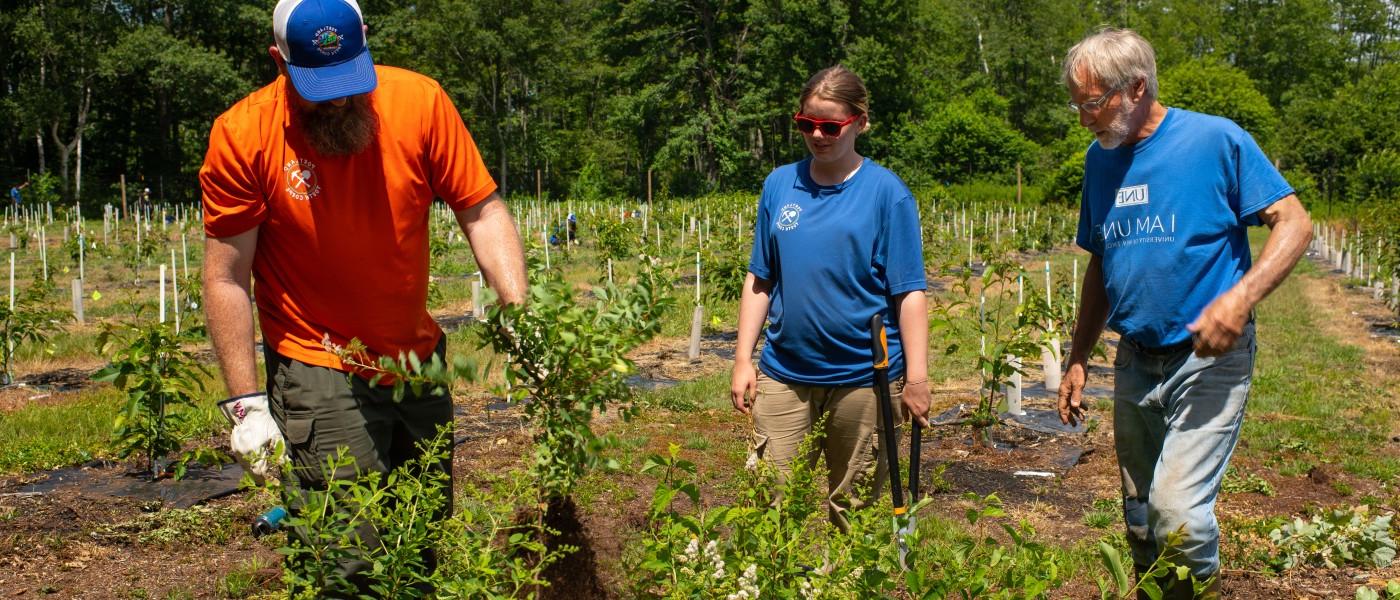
pixel 1168 196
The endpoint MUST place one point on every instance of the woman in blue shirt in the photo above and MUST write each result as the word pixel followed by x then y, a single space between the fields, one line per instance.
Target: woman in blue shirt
pixel 836 241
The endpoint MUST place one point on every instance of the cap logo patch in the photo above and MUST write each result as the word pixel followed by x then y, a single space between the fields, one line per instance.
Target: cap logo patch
pixel 301 179
pixel 327 40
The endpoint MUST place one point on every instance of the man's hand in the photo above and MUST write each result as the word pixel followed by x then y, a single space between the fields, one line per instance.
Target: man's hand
pixel 917 400
pixel 1220 324
pixel 743 385
pixel 1071 401
pixel 255 435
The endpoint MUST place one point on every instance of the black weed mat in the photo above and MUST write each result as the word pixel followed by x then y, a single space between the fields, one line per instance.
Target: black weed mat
pixel 199 485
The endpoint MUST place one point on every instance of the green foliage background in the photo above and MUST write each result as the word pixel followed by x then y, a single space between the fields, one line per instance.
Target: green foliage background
pixel 591 95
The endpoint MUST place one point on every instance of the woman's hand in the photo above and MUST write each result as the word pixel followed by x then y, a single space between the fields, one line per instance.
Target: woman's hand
pixel 917 401
pixel 743 384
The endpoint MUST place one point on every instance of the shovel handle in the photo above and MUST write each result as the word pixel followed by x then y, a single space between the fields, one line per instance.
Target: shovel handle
pixel 915 441
pixel 880 357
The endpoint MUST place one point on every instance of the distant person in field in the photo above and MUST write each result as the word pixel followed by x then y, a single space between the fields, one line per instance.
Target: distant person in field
pixel 836 241
pixel 15 197
pixel 318 186
pixel 1168 195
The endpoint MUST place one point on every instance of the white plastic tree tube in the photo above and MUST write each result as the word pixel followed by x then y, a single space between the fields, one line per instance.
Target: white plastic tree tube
pixel 162 292
pixel 1013 389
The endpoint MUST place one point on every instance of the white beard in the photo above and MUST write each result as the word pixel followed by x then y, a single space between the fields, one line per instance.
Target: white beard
pixel 1118 130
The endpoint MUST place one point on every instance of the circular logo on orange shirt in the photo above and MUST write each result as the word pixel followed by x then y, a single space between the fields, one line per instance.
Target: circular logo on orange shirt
pixel 300 178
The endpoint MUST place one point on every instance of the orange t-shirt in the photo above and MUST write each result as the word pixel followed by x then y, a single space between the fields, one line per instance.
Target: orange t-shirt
pixel 342 246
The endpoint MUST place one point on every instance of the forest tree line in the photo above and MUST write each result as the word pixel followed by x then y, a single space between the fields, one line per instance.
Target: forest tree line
pixel 591 95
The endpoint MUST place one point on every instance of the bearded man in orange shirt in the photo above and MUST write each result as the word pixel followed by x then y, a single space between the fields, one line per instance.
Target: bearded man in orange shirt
pixel 319 187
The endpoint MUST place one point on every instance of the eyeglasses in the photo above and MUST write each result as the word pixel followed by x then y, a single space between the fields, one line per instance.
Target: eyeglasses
pixel 1093 106
pixel 807 124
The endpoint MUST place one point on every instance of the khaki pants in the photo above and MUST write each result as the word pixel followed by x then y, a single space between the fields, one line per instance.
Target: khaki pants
pixel 857 471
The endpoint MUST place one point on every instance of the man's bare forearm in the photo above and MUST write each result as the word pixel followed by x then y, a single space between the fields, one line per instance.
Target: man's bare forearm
pixel 496 244
pixel 228 309
pixel 1288 240
pixel 1093 313
pixel 229 313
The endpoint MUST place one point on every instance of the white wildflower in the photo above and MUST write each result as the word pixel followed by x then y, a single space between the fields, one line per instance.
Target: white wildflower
pixel 716 561
pixel 748 582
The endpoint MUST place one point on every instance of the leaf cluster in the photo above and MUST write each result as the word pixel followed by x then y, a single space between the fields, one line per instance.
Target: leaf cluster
pixel 393 521
pixel 1003 327
pixel 31 321
pixel 1345 536
pixel 153 365
pixel 567 360
pixel 775 541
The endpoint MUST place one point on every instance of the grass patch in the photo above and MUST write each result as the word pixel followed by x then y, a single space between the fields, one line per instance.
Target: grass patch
pixel 1241 483
pixel 708 392
pixel 42 437
pixel 1104 513
pixel 1311 391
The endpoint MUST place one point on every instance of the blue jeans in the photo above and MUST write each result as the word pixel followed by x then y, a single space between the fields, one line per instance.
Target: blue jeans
pixel 1176 418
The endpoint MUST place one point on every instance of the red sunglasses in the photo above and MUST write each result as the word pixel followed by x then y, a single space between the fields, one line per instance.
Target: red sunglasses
pixel 807 124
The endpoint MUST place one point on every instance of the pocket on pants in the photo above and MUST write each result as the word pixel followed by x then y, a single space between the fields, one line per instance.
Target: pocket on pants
pixel 1123 356
pixel 758 444
pixel 299 429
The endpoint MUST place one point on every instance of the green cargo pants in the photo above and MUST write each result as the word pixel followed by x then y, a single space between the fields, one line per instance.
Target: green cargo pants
pixel 321 411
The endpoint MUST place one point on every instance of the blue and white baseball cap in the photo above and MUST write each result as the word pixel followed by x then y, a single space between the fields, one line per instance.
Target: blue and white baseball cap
pixel 323 42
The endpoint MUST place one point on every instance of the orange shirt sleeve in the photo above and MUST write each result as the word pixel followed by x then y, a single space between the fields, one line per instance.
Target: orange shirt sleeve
pixel 233 199
pixel 456 171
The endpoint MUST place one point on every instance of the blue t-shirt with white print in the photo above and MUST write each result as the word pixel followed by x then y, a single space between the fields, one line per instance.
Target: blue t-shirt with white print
pixel 836 256
pixel 1168 217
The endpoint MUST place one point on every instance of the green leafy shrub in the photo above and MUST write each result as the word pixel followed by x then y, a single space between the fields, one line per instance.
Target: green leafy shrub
pixel 1213 87
pixel 763 546
pixel 1376 177
pixel 1003 327
pixel 1345 536
pixel 569 360
pixel 616 239
pixel 151 364
pixel 1067 184
pixel 29 322
pixel 959 142
pixel 724 267
pixel 483 550
pixel 1150 581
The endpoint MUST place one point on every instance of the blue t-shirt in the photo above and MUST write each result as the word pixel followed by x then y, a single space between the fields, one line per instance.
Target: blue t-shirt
pixel 1168 216
pixel 836 255
pixel 14 195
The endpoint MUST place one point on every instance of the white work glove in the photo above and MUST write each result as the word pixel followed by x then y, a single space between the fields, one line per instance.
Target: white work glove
pixel 255 436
